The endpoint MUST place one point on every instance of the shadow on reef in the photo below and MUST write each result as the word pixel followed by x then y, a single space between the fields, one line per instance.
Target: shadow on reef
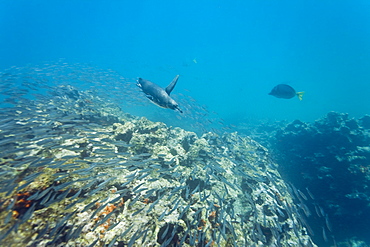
pixel 331 158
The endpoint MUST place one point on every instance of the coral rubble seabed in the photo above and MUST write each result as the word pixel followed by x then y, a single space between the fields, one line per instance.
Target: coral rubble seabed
pixel 77 171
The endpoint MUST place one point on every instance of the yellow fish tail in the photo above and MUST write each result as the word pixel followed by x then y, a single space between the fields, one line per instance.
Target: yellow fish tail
pixel 300 95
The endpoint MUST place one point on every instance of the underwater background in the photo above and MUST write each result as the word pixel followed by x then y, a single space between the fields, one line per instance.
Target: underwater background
pixel 229 57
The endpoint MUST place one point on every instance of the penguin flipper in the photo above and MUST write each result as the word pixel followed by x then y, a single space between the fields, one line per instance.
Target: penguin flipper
pixel 172 85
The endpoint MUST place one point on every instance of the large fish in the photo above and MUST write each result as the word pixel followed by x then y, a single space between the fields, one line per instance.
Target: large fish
pixel 285 92
pixel 159 96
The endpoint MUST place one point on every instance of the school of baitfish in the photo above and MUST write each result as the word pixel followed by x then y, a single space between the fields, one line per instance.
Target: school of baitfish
pixel 77 171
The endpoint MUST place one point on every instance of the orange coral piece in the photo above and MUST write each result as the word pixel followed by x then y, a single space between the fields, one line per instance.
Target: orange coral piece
pixel 202 222
pixel 110 208
pixel 121 203
pixel 146 201
pixel 212 215
pixel 15 214
pixel 23 194
pixel 106 225
pixel 107 210
pixel 212 243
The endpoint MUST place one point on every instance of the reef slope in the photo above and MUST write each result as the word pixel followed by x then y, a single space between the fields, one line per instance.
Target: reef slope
pixel 77 171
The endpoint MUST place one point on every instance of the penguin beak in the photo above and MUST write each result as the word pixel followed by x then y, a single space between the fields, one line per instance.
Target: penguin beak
pixel 178 109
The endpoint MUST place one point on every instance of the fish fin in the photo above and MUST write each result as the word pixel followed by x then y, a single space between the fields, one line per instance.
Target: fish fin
pixel 300 95
pixel 170 87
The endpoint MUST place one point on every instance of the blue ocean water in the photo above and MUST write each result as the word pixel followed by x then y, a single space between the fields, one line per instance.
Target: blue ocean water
pixel 228 55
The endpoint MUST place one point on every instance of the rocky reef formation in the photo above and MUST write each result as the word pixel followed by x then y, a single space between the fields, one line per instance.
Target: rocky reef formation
pixel 330 157
pixel 77 171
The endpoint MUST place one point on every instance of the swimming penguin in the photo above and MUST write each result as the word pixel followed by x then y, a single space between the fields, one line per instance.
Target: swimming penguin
pixel 159 96
pixel 286 92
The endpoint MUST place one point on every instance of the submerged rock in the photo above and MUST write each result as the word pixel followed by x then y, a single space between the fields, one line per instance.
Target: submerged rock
pixel 77 171
pixel 330 157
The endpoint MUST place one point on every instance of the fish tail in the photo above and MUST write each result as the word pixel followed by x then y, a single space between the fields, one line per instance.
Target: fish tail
pixel 300 95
